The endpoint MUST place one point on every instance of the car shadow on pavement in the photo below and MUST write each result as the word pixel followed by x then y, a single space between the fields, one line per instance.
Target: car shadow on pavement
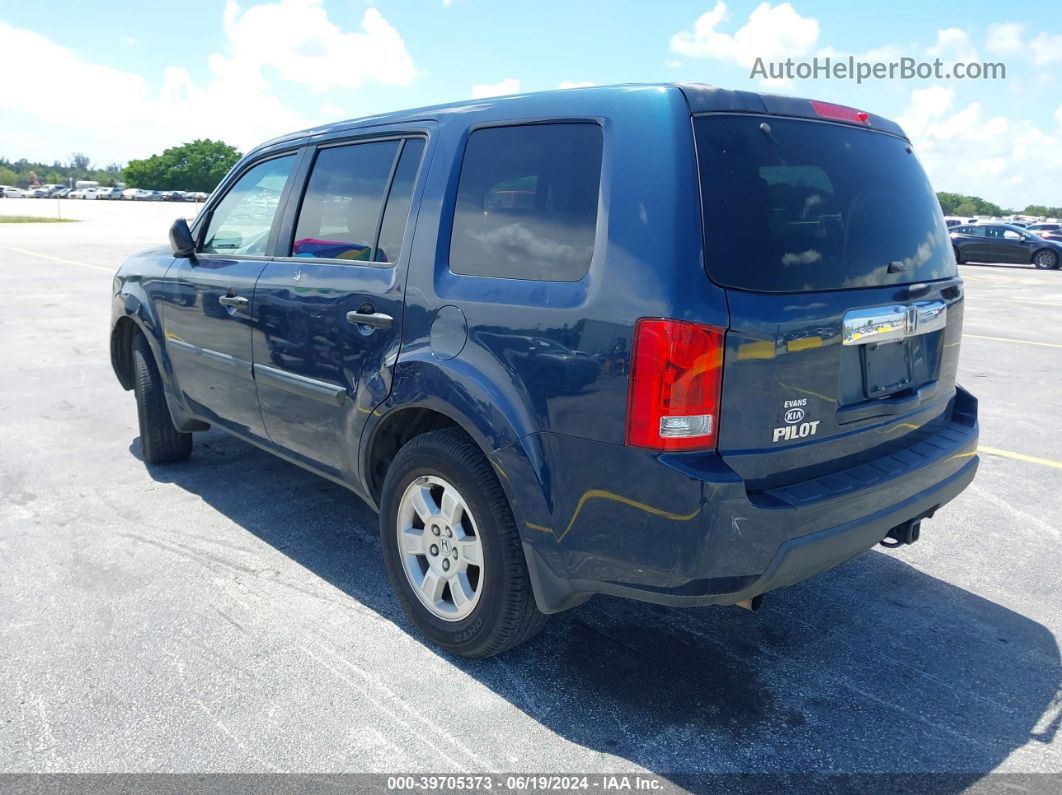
pixel 874 667
pixel 1003 265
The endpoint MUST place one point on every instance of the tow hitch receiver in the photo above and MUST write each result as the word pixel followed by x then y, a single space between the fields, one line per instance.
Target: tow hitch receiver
pixel 906 533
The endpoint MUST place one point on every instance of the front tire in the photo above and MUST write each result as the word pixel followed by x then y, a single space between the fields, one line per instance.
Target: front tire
pixel 160 441
pixel 1045 259
pixel 452 550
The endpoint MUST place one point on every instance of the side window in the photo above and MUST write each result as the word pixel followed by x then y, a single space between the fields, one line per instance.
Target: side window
pixel 389 247
pixel 341 207
pixel 241 222
pixel 1010 234
pixel 527 202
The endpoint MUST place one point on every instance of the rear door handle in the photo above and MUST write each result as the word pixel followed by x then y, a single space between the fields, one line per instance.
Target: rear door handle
pixel 233 300
pixel 374 319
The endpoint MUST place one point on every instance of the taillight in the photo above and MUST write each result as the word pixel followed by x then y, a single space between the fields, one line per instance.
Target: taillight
pixel 676 372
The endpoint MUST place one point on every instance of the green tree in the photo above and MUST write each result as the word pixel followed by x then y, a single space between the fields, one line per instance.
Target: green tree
pixel 79 161
pixel 959 204
pixel 1043 210
pixel 7 176
pixel 949 202
pixel 196 166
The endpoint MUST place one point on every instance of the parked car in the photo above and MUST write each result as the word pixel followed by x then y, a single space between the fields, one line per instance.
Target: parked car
pixel 61 192
pixel 11 192
pixel 198 196
pixel 79 193
pixel 1049 231
pixel 41 191
pixel 541 397
pixel 1004 243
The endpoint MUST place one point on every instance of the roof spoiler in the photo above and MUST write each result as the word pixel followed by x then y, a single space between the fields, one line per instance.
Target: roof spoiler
pixel 708 99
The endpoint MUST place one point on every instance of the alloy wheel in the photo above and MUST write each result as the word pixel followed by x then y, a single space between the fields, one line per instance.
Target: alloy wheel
pixel 1046 259
pixel 440 548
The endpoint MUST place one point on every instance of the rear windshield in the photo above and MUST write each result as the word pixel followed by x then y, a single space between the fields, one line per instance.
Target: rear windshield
pixel 793 205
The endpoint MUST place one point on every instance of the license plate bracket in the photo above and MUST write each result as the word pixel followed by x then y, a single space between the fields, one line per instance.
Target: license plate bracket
pixel 886 368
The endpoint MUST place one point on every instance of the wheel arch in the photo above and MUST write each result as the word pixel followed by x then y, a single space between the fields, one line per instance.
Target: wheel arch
pixel 133 317
pixel 500 427
pixel 122 335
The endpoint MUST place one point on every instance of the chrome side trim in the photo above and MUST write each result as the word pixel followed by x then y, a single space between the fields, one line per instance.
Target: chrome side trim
pixel 301 385
pixel 893 323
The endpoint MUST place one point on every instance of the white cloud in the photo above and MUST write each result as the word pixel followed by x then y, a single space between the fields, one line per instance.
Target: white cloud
pixel 114 115
pixel 1007 38
pixel 296 38
pixel 1008 161
pixel 885 53
pixel 953 45
pixel 509 85
pixel 55 83
pixel 332 109
pixel 1004 38
pixel 673 63
pixel 576 84
pixel 771 33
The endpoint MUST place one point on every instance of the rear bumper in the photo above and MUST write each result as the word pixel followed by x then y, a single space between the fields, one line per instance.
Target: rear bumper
pixel 685 531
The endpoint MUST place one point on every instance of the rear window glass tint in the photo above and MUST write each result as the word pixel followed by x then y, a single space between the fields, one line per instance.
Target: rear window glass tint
pixel 389 247
pixel 341 207
pixel 815 206
pixel 527 202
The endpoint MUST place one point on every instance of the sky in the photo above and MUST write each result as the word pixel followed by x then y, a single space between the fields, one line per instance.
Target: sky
pixel 124 79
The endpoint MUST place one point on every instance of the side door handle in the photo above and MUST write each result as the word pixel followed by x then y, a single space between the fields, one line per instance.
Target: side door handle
pixel 370 318
pixel 233 300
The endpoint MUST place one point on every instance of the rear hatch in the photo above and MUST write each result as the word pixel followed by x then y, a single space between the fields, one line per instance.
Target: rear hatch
pixel 845 304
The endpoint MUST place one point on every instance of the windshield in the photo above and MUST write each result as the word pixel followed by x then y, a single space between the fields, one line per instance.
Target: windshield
pixel 792 205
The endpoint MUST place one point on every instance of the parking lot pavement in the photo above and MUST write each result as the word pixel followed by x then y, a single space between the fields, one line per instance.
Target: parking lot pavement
pixel 232 613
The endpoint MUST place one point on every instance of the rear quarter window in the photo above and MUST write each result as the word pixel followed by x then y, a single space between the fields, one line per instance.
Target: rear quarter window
pixel 792 205
pixel 527 202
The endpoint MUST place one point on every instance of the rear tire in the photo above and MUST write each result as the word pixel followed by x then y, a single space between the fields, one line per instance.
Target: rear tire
pixel 499 607
pixel 958 256
pixel 1045 259
pixel 160 441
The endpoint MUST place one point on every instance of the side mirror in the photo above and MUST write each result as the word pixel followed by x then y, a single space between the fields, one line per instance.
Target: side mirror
pixel 181 240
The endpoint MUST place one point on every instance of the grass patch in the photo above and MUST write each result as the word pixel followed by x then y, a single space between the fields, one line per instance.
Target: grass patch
pixel 33 219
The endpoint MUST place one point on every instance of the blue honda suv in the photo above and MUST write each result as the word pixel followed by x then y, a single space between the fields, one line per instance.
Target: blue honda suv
pixel 667 342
